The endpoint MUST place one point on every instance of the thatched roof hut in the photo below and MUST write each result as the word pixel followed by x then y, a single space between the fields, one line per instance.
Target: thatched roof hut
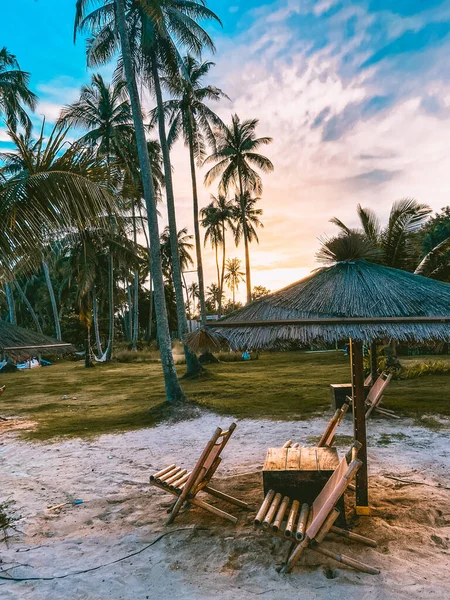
pixel 357 300
pixel 20 342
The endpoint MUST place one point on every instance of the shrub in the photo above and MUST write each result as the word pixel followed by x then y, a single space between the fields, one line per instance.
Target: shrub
pixel 428 367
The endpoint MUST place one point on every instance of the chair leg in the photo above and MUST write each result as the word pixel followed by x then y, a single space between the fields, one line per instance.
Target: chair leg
pixel 353 536
pixel 289 552
pixel 175 509
pixel 290 563
pixel 225 497
pixel 346 560
pixel 213 510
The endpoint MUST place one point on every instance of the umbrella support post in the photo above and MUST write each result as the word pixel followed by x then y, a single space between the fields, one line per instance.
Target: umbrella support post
pixel 373 362
pixel 359 425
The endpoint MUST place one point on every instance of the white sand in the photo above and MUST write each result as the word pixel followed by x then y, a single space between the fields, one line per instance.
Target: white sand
pixel 212 559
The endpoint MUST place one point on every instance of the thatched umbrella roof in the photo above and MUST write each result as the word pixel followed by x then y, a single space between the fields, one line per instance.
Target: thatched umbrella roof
pixel 17 341
pixel 358 300
pixel 204 340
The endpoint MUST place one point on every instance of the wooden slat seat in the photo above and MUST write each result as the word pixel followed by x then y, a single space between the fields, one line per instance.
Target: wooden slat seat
pixel 306 526
pixel 185 484
pixel 327 439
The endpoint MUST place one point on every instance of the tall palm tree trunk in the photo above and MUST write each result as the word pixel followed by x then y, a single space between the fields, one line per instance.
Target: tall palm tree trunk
pixel 192 363
pixel 29 307
pixel 95 319
pixel 130 313
pixel 173 388
pixel 52 300
pixel 134 339
pixel 150 292
pixel 108 351
pixel 222 275
pixel 11 305
pixel 198 246
pixel 248 281
pixel 216 252
pixel 135 311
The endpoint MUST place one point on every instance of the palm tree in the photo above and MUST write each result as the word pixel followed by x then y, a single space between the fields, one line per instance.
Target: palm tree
pixel 235 161
pixel 216 217
pixel 46 187
pixel 104 110
pixel 192 119
pixel 234 276
pixel 14 91
pixel 214 296
pixel 11 304
pixel 117 10
pixel 193 293
pixel 396 242
pixel 154 29
pixel 347 246
pixel 184 248
pixel 247 221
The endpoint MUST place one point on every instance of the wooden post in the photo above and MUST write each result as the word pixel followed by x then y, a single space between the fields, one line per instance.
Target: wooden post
pixel 373 362
pixel 359 425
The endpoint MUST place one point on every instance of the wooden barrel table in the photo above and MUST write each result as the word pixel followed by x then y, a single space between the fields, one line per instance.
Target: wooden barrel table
pixel 300 473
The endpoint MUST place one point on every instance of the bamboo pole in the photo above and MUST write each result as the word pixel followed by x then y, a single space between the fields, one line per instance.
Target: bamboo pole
pixel 264 507
pixel 359 425
pixel 353 536
pixel 226 497
pixel 214 510
pixel 272 510
pixel 177 483
pixel 280 514
pixel 175 477
pixel 302 520
pixel 329 429
pixel 326 526
pixel 386 412
pixel 287 568
pixel 346 560
pixel 162 472
pixel 169 474
pixel 292 518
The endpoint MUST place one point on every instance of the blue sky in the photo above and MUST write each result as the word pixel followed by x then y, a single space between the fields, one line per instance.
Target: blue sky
pixel 355 93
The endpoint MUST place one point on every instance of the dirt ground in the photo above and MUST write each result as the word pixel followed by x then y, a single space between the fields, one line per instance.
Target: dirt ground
pixel 203 557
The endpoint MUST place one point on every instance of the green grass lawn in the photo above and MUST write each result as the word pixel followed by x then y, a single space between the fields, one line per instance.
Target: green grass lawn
pixel 117 396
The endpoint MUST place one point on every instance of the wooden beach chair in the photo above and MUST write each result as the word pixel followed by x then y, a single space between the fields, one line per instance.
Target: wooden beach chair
pixel 307 526
pixel 375 396
pixel 187 484
pixel 327 439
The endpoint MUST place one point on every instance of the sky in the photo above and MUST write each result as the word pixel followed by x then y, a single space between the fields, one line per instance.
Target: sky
pixel 354 93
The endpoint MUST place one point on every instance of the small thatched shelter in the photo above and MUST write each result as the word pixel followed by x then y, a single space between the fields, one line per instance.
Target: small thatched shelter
pixel 356 300
pixel 21 343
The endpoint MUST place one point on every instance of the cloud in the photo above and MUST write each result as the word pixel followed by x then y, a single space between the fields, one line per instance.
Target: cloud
pixel 345 131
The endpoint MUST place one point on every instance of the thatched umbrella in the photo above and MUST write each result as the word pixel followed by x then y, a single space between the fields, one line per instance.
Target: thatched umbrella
pixel 17 341
pixel 356 300
pixel 204 340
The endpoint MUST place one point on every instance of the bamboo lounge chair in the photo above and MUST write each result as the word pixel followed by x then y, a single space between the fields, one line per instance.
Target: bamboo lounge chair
pixel 306 527
pixel 327 439
pixel 187 484
pixel 375 396
pixel 373 401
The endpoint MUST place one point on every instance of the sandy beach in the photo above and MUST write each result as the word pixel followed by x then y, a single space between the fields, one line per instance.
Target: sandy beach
pixel 204 557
